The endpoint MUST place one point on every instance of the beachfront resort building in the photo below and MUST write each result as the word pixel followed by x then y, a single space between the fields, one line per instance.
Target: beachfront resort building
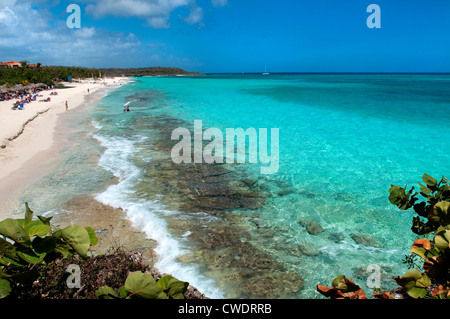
pixel 10 64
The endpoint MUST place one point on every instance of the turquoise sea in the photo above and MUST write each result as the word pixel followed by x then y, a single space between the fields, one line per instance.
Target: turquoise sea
pixel 343 140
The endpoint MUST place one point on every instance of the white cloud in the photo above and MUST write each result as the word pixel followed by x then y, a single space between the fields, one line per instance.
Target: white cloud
pixel 85 32
pixel 8 17
pixel 32 38
pixel 195 16
pixel 219 3
pixel 155 12
pixel 30 31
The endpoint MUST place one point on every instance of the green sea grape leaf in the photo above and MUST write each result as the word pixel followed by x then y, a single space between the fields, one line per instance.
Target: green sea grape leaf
pixel 77 237
pixel 105 292
pixel 39 230
pixel 5 288
pixel 421 247
pixel 27 224
pixel 92 236
pixel 417 292
pixel 143 285
pixel 443 211
pixel 408 281
pixel 425 190
pixel 6 261
pixel 122 293
pixel 12 229
pixel 396 193
pixel 177 289
pixel 423 282
pixel 415 283
pixel 7 249
pixel 399 197
pixel 430 181
pixel 163 282
pixel 340 283
pixel 28 212
pixel 173 287
pixel 63 249
pixel 45 220
pixel 30 256
pixel 442 240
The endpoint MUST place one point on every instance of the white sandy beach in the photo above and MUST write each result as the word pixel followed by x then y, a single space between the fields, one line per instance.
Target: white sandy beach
pixel 27 137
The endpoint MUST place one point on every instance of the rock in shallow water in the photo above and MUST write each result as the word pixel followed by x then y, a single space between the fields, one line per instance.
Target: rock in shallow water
pixel 274 285
pixel 366 240
pixel 312 227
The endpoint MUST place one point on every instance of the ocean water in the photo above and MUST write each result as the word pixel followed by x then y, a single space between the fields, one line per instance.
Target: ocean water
pixel 343 140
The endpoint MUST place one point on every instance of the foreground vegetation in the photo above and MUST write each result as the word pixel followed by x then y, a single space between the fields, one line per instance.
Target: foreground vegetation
pixel 37 261
pixel 430 253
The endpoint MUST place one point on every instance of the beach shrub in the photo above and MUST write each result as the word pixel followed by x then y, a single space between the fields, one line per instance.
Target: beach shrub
pixel 143 285
pixel 34 257
pixel 29 242
pixel 433 212
pixel 432 279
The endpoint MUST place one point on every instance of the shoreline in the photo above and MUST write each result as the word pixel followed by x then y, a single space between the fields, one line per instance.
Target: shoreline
pixel 36 153
pixel 31 139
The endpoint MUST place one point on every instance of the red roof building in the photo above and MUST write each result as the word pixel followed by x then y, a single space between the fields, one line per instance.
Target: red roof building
pixel 13 64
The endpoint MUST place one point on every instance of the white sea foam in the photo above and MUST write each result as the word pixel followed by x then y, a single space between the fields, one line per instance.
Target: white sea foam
pixel 128 103
pixel 146 214
pixel 97 125
pixel 334 250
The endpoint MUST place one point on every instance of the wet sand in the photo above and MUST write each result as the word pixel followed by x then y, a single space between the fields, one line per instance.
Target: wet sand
pixel 31 139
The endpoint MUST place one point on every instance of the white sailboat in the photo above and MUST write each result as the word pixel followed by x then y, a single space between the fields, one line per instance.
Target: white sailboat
pixel 265 71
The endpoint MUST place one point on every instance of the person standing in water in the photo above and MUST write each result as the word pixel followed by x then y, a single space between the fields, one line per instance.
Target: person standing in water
pixel 67 106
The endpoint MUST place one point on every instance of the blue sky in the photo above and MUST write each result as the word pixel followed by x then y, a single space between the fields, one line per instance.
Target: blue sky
pixel 231 35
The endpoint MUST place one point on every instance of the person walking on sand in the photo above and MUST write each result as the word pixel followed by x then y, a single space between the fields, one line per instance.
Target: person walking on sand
pixel 67 106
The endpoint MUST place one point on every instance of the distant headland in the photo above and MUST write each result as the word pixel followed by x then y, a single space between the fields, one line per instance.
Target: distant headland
pixel 150 71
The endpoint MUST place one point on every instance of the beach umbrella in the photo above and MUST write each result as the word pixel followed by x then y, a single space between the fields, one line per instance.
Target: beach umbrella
pixel 17 87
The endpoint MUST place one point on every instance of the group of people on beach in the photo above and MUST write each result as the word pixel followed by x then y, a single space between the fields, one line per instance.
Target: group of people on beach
pixel 19 104
pixel 25 96
pixel 22 94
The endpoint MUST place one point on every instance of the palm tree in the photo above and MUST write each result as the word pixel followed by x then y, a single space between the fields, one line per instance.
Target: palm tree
pixel 39 67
